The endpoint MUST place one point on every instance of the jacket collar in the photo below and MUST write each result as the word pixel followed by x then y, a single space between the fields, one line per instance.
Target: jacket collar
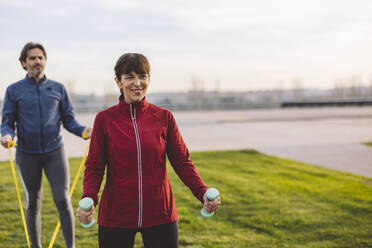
pixel 124 107
pixel 32 81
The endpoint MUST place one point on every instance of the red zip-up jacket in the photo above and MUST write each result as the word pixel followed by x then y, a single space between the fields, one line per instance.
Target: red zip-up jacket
pixel 132 142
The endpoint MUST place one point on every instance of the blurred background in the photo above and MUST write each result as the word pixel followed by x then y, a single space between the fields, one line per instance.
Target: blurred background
pixel 242 52
pixel 298 74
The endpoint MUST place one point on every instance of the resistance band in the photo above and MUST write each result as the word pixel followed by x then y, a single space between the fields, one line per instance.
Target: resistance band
pixel 71 192
pixel 13 143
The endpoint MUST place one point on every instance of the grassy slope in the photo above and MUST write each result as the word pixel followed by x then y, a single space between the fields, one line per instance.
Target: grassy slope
pixel 266 202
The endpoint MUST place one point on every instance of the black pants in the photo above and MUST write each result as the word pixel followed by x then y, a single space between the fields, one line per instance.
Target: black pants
pixel 162 236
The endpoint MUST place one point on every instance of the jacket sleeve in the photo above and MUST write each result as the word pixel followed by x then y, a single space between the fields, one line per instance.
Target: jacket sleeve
pixel 9 115
pixel 68 117
pixel 179 157
pixel 96 161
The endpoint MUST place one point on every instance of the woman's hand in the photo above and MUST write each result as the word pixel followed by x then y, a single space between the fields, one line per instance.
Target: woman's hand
pixel 211 206
pixel 85 217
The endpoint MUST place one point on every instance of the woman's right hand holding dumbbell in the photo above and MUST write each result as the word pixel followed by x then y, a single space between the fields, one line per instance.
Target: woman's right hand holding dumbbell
pixel 212 202
pixel 85 217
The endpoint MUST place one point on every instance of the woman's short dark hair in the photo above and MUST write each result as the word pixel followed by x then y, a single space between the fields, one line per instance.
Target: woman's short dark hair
pixel 28 47
pixel 131 62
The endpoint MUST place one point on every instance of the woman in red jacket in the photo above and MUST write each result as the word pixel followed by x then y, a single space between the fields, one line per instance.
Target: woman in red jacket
pixel 131 140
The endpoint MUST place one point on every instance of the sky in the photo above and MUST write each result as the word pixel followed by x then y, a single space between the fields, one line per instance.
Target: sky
pixel 234 45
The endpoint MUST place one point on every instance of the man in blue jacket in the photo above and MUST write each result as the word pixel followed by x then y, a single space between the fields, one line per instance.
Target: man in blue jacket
pixel 34 109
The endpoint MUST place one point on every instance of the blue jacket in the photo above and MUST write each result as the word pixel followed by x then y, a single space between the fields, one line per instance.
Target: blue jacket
pixel 38 111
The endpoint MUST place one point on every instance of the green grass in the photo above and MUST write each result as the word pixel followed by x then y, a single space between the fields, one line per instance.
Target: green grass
pixel 368 143
pixel 266 202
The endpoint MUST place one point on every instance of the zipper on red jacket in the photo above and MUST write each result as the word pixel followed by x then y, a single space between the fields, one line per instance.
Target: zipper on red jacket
pixel 139 164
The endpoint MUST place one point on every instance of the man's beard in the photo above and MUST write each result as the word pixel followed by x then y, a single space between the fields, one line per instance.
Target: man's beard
pixel 36 73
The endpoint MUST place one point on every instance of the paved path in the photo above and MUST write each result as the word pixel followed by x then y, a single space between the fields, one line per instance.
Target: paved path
pixel 329 137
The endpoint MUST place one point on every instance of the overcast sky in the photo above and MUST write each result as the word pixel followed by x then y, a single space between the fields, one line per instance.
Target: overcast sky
pixel 232 45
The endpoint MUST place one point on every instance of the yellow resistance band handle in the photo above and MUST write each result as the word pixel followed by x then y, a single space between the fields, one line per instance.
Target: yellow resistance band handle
pixel 13 143
pixel 84 135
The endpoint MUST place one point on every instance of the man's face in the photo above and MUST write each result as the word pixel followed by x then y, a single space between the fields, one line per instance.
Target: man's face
pixel 35 63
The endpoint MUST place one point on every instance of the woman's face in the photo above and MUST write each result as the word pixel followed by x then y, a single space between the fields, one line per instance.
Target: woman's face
pixel 134 86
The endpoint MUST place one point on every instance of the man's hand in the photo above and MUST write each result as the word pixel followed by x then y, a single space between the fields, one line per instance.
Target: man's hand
pixel 87 133
pixel 6 141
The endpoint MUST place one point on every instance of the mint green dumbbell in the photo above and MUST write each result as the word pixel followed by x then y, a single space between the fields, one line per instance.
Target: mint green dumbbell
pixel 211 195
pixel 86 204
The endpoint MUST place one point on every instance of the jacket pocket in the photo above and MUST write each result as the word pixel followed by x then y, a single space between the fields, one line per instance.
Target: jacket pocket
pixel 20 132
pixel 52 99
pixel 28 102
pixel 165 200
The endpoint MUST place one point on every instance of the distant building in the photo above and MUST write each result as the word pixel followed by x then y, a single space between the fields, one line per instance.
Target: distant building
pixel 216 100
